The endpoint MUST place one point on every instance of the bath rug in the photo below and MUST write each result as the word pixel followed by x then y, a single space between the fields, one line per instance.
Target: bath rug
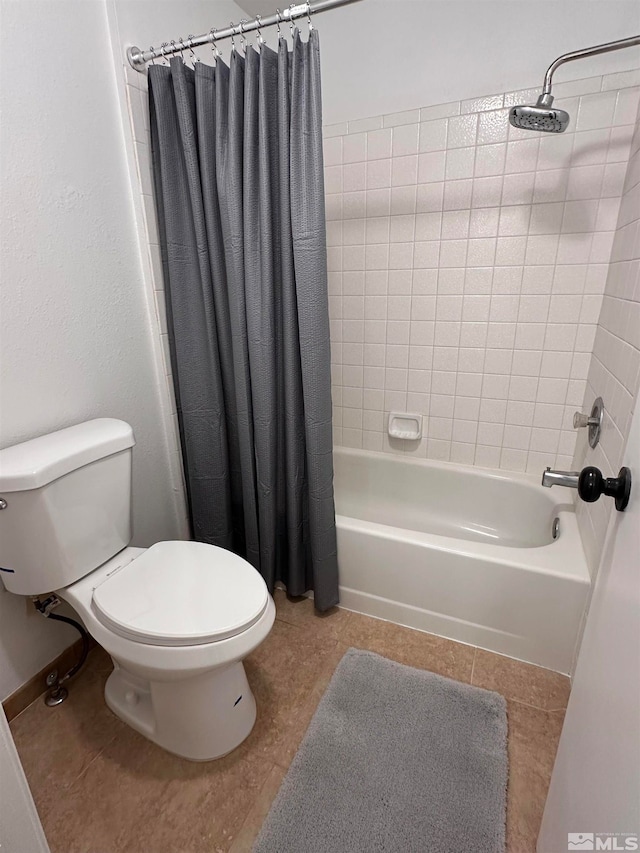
pixel 395 760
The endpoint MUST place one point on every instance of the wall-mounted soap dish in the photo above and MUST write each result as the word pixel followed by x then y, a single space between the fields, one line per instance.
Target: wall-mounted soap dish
pixel 405 425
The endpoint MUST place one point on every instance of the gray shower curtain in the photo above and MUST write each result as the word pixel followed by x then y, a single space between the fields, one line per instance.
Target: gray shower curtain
pixel 238 175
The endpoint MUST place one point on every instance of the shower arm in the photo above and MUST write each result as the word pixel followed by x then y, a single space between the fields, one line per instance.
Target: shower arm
pixel 546 98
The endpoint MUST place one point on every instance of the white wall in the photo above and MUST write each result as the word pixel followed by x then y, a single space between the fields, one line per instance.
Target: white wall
pixel 595 785
pixel 384 56
pixel 19 821
pixel 76 323
pixel 614 372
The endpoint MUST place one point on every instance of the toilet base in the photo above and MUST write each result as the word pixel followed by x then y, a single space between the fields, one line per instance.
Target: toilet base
pixel 199 718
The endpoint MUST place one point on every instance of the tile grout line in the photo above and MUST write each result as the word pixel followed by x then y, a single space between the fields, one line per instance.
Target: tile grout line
pixel 96 756
pixel 534 707
pixel 272 766
pixel 300 627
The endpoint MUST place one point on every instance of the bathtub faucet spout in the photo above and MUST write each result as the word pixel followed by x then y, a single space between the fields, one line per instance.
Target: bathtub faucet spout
pixel 560 478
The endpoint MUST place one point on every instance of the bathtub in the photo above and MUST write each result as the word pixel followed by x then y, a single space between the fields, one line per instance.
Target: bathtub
pixel 462 552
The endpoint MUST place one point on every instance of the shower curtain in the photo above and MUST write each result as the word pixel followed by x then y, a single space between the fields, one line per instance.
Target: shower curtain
pixel 238 176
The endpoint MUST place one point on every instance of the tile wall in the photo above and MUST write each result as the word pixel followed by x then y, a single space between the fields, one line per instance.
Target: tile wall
pixel 614 373
pixel 468 262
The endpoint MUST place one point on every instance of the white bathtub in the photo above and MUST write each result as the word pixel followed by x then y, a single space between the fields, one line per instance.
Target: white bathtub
pixel 461 552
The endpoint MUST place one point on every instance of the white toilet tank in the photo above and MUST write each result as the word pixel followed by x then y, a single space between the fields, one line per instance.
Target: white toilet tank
pixel 66 504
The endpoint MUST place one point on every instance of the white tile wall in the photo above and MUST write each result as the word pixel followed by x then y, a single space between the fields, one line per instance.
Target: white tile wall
pixel 614 372
pixel 467 262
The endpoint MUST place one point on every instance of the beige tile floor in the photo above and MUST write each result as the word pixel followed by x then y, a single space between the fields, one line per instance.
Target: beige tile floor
pixel 102 788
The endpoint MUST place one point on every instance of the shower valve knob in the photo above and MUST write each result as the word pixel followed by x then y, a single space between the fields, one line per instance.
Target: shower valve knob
pixel 593 421
pixel 581 420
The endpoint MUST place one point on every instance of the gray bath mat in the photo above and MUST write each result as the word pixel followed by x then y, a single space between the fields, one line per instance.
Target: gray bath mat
pixel 395 760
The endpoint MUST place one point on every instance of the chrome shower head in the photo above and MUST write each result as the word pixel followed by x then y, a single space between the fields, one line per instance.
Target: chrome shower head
pixel 541 117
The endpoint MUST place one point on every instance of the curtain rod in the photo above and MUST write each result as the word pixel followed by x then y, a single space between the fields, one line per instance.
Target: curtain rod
pixel 138 58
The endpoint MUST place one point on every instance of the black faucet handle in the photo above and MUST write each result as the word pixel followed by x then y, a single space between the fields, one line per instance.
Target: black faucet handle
pixel 591 484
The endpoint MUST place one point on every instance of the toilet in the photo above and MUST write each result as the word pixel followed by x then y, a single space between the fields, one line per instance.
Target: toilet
pixel 177 618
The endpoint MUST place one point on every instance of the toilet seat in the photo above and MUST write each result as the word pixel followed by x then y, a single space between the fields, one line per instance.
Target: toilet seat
pixel 181 594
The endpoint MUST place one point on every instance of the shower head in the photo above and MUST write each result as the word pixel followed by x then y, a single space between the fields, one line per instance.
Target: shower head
pixel 541 117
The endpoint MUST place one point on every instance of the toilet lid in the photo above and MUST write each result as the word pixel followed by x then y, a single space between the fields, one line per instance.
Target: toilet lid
pixel 181 594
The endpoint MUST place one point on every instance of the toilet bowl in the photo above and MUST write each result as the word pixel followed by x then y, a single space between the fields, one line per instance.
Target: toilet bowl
pixel 177 618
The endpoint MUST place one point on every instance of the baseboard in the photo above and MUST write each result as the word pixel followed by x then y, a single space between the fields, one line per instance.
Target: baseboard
pixel 35 686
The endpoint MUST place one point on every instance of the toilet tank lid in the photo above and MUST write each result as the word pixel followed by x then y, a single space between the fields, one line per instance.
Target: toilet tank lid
pixel 35 463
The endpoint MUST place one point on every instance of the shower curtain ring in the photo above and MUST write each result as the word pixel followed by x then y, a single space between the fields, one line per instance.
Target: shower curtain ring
pixel 291 7
pixel 162 49
pixel 309 16
pixel 195 58
pixel 182 49
pixel 175 49
pixel 242 38
pixel 233 41
pixel 259 38
pixel 279 17
pixel 153 59
pixel 214 46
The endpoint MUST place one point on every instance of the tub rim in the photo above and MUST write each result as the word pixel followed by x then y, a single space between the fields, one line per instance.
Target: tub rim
pixel 523 477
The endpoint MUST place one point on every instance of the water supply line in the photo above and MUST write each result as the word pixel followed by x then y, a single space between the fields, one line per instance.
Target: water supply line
pixel 56 693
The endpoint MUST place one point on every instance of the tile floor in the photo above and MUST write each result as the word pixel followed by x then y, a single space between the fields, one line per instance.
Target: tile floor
pixel 102 788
